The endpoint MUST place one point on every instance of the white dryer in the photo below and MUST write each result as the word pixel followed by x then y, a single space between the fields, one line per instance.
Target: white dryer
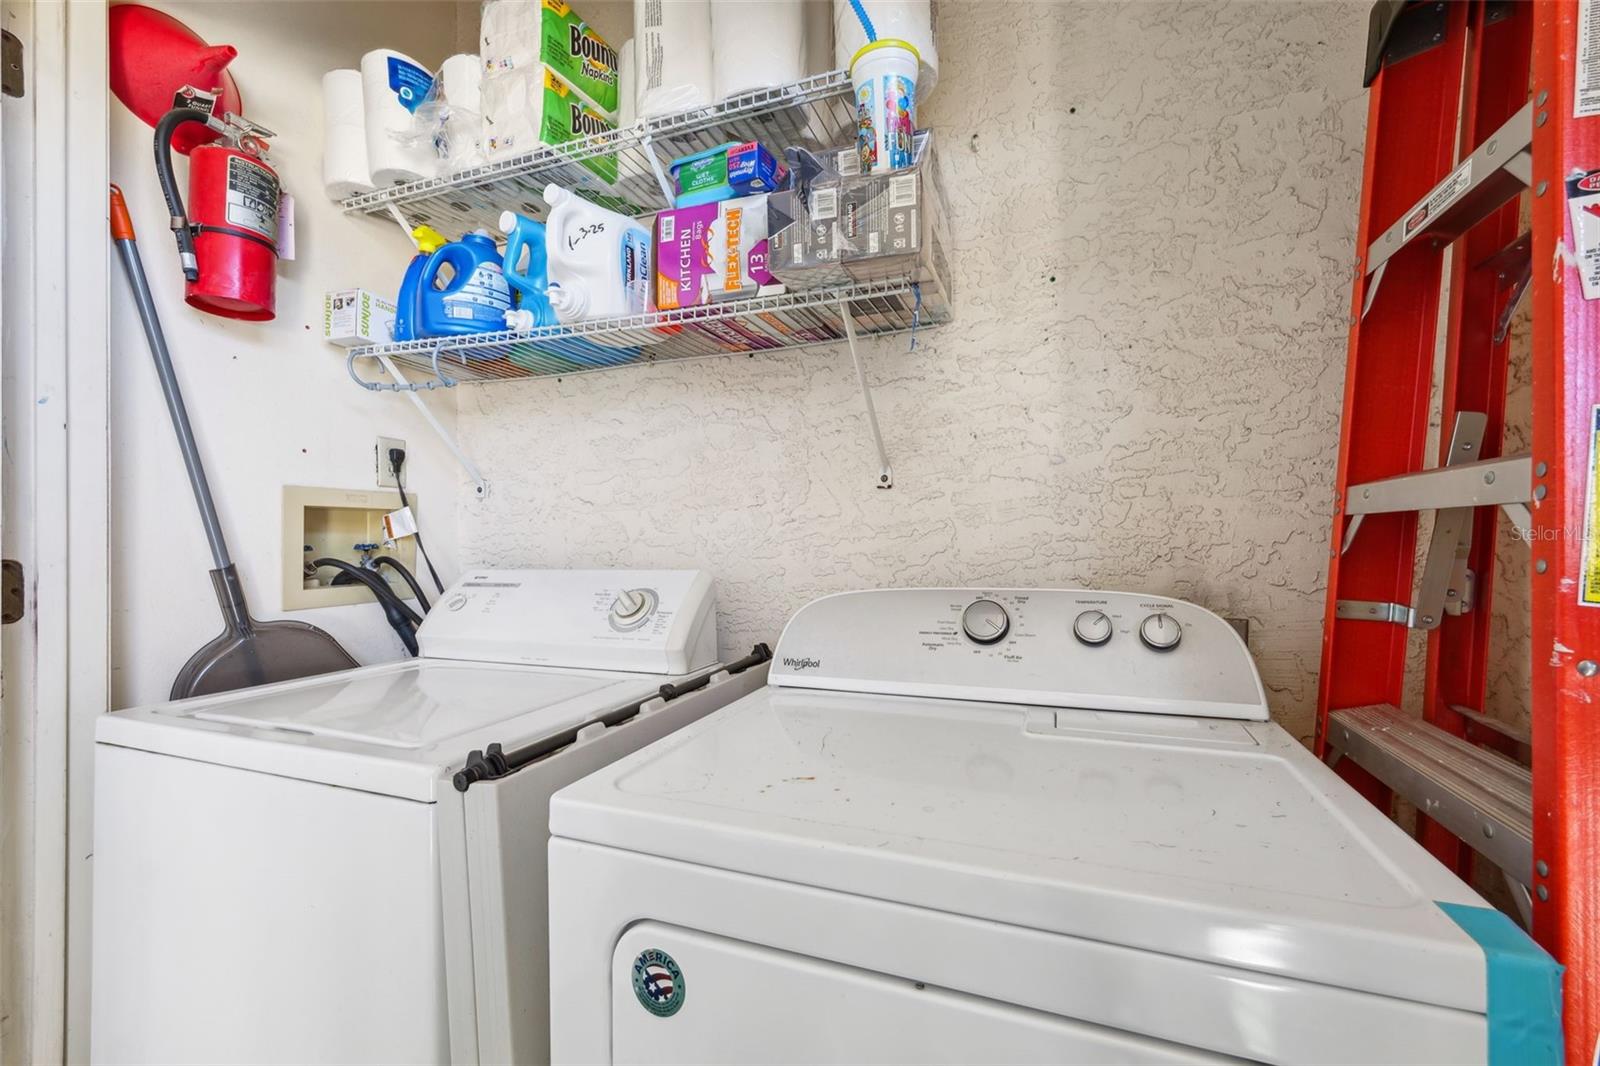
pixel 1014 826
pixel 351 868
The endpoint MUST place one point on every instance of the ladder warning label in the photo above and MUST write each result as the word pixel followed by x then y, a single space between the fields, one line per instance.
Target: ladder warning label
pixel 1586 82
pixel 1589 588
pixel 1583 205
pixel 1442 197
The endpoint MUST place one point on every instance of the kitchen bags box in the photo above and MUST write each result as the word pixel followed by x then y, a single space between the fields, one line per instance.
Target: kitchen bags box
pixel 712 252
pixel 536 35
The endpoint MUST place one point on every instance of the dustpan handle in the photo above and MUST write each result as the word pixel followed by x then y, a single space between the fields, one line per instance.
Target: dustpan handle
pixel 128 249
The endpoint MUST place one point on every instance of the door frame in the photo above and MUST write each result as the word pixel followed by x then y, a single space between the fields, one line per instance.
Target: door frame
pixel 55 494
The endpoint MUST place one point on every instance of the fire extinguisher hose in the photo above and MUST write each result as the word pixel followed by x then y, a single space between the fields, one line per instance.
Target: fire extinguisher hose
pixel 169 186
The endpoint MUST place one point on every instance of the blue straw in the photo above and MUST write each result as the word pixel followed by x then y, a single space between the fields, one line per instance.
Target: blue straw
pixel 866 23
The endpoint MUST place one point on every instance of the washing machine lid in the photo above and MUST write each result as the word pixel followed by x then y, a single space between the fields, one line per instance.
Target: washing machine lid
pixel 1221 841
pixel 399 729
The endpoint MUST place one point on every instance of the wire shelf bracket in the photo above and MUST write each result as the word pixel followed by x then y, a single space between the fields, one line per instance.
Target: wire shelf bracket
pixel 885 470
pixel 480 484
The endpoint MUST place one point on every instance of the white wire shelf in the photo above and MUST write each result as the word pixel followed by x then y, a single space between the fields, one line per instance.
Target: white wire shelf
pixel 818 111
pixel 766 323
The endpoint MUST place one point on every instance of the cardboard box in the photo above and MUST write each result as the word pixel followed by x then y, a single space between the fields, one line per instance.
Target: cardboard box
pixel 712 252
pixel 352 318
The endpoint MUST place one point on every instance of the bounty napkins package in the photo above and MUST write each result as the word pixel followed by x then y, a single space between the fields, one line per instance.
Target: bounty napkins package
pixel 524 109
pixel 524 35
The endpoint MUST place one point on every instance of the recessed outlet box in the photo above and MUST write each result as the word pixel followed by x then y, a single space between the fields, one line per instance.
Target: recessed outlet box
pixel 380 458
pixel 320 523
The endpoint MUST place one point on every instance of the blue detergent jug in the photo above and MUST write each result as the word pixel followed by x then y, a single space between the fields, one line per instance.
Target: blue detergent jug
pixel 531 284
pixel 428 241
pixel 474 300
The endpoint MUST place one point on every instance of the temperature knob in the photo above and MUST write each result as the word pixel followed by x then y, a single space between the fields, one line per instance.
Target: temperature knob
pixel 632 608
pixel 1160 632
pixel 985 622
pixel 1092 628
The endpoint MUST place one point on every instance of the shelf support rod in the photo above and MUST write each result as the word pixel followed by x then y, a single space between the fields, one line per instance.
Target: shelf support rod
pixel 480 487
pixel 667 192
pixel 885 472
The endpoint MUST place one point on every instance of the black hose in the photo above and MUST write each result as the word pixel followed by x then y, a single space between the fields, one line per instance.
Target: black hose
pixel 402 619
pixel 169 186
pixel 410 579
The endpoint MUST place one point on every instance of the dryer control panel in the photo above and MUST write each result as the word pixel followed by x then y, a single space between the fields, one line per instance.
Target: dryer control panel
pixel 1112 651
pixel 644 621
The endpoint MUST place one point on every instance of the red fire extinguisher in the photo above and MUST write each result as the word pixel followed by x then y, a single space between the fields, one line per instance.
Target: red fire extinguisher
pixel 228 233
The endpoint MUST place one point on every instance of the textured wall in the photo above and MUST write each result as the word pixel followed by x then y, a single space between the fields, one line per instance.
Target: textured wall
pixel 1153 216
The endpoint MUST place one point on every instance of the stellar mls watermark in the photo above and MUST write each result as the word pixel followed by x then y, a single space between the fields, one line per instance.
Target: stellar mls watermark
pixel 1543 534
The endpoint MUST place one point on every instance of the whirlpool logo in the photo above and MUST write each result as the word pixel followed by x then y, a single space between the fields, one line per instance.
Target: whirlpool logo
pixel 806 663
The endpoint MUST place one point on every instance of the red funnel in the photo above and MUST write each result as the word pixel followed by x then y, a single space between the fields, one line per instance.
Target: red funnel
pixel 153 55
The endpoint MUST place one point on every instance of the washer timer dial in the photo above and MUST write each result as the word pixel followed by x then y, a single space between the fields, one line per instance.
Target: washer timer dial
pixel 1160 632
pixel 1092 628
pixel 632 608
pixel 985 622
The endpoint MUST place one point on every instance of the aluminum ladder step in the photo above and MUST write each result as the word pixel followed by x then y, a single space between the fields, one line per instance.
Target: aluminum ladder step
pixel 1479 795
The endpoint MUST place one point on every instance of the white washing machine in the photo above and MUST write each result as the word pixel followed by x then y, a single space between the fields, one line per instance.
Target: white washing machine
pixel 1014 826
pixel 319 871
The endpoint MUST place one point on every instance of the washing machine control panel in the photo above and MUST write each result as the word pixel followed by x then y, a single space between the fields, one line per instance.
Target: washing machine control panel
pixel 644 621
pixel 1115 651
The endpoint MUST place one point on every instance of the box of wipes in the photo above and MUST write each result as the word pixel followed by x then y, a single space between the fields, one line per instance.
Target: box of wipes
pixel 352 318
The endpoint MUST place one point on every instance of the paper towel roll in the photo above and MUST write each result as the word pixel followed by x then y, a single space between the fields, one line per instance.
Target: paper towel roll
pixel 392 86
pixel 344 137
pixel 756 44
pixel 673 43
pixel 916 21
pixel 462 143
pixel 627 85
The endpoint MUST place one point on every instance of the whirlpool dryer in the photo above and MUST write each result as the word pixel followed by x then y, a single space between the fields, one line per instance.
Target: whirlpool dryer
pixel 351 868
pixel 1014 826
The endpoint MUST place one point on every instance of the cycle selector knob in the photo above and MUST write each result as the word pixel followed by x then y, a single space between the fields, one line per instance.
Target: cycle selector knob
pixel 1092 628
pixel 985 622
pixel 632 608
pixel 1160 632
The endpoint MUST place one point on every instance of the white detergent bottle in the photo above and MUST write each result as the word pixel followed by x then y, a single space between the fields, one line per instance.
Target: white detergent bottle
pixel 598 260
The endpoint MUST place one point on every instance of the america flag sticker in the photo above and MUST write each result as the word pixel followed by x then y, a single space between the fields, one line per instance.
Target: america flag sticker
pixel 658 982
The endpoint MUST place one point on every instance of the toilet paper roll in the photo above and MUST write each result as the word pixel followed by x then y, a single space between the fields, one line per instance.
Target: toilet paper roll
pixel 627 85
pixel 463 77
pixel 344 136
pixel 756 44
pixel 673 43
pixel 393 86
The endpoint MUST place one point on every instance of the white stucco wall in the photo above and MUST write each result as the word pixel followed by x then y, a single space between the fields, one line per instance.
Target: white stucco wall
pixel 1153 214
pixel 271 403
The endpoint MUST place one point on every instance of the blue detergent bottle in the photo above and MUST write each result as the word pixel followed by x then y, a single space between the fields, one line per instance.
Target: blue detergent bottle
pixel 428 241
pixel 474 300
pixel 533 300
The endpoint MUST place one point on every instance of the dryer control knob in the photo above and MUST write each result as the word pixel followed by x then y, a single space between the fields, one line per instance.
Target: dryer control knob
pixel 985 622
pixel 632 608
pixel 1092 628
pixel 1160 632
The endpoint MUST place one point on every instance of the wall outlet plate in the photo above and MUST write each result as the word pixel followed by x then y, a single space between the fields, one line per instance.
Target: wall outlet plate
pixel 380 460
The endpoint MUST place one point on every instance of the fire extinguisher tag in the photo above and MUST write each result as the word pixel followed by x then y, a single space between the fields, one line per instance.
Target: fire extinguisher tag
pixel 196 100
pixel 285 227
pixel 252 197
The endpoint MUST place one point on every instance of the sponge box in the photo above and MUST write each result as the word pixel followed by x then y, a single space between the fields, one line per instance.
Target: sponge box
pixel 352 318
pixel 519 35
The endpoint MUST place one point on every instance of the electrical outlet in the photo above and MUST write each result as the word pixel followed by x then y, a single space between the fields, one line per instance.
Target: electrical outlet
pixel 380 455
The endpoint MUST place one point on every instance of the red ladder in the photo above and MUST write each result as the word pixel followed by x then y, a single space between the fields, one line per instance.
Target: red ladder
pixel 1455 136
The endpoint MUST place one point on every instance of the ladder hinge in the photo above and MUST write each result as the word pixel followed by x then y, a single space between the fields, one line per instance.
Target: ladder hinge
pixel 1376 611
pixel 13 595
pixel 10 63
